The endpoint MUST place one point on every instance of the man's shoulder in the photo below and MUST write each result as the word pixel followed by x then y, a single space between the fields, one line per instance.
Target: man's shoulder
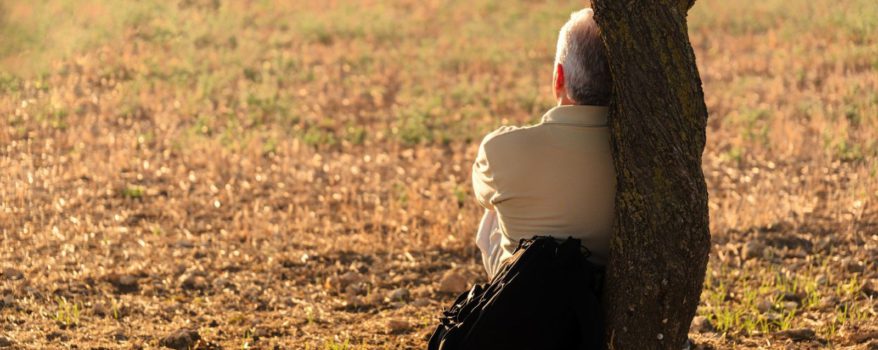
pixel 509 135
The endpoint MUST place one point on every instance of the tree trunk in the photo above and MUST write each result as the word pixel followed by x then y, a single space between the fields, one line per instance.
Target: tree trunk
pixel 661 241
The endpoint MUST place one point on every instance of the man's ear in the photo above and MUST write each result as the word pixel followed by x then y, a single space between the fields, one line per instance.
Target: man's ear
pixel 559 81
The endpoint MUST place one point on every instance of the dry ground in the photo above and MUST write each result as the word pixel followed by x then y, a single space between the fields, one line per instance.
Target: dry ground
pixel 272 175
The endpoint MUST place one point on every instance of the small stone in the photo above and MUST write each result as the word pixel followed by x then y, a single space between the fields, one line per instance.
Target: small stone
pixel 701 324
pixel 57 335
pixel 193 282
pixel 100 309
pixel 798 334
pixel 222 283
pixel 790 305
pixel 349 278
pixel 828 302
pixel 422 302
pixel 763 306
pixel 120 336
pixel 854 266
pixel 452 282
pixel 11 274
pixel 124 283
pixel 794 297
pixel 5 342
pixel 262 332
pixel 399 294
pixel 398 326
pixel 752 249
pixel 773 316
pixel 127 280
pixel 181 339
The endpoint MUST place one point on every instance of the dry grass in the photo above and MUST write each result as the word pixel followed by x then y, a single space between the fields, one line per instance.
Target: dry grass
pixel 267 172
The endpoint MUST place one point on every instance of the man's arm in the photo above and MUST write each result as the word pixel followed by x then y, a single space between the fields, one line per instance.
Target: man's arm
pixel 484 184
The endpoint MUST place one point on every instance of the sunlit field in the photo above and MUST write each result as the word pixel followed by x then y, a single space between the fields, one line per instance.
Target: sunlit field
pixel 296 174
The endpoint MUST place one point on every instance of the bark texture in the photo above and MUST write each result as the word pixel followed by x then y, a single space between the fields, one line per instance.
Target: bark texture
pixel 661 241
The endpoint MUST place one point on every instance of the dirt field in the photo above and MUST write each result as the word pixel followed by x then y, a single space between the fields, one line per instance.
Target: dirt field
pixel 269 175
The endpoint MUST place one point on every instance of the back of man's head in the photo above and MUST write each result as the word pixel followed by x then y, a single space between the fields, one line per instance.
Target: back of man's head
pixel 582 54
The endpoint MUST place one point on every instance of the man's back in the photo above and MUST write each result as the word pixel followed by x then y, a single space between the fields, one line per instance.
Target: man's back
pixel 555 178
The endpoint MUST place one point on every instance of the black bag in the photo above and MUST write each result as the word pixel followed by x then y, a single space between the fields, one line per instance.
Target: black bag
pixel 546 296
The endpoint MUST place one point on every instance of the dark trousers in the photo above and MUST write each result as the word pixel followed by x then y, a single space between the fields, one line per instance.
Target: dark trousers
pixel 546 296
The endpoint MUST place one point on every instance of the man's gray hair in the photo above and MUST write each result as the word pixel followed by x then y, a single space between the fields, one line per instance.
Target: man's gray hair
pixel 582 54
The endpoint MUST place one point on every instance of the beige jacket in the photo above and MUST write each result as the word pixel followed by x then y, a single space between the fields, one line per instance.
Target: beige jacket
pixel 554 178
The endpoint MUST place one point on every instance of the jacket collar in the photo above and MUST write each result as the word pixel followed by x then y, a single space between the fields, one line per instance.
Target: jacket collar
pixel 577 115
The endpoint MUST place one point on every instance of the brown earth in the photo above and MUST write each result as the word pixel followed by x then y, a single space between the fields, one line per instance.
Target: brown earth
pixel 243 175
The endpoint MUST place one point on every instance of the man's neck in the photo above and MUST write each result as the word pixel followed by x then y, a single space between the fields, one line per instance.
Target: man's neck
pixel 564 100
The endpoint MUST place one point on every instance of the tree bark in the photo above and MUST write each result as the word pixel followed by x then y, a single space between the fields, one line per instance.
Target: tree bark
pixel 658 117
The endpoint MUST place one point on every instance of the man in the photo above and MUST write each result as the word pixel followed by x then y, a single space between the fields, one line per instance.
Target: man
pixel 555 178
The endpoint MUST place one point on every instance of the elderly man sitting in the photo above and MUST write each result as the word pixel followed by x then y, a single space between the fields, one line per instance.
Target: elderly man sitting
pixel 548 190
pixel 555 178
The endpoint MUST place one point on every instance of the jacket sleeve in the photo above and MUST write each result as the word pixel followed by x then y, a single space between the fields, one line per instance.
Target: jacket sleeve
pixel 484 184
